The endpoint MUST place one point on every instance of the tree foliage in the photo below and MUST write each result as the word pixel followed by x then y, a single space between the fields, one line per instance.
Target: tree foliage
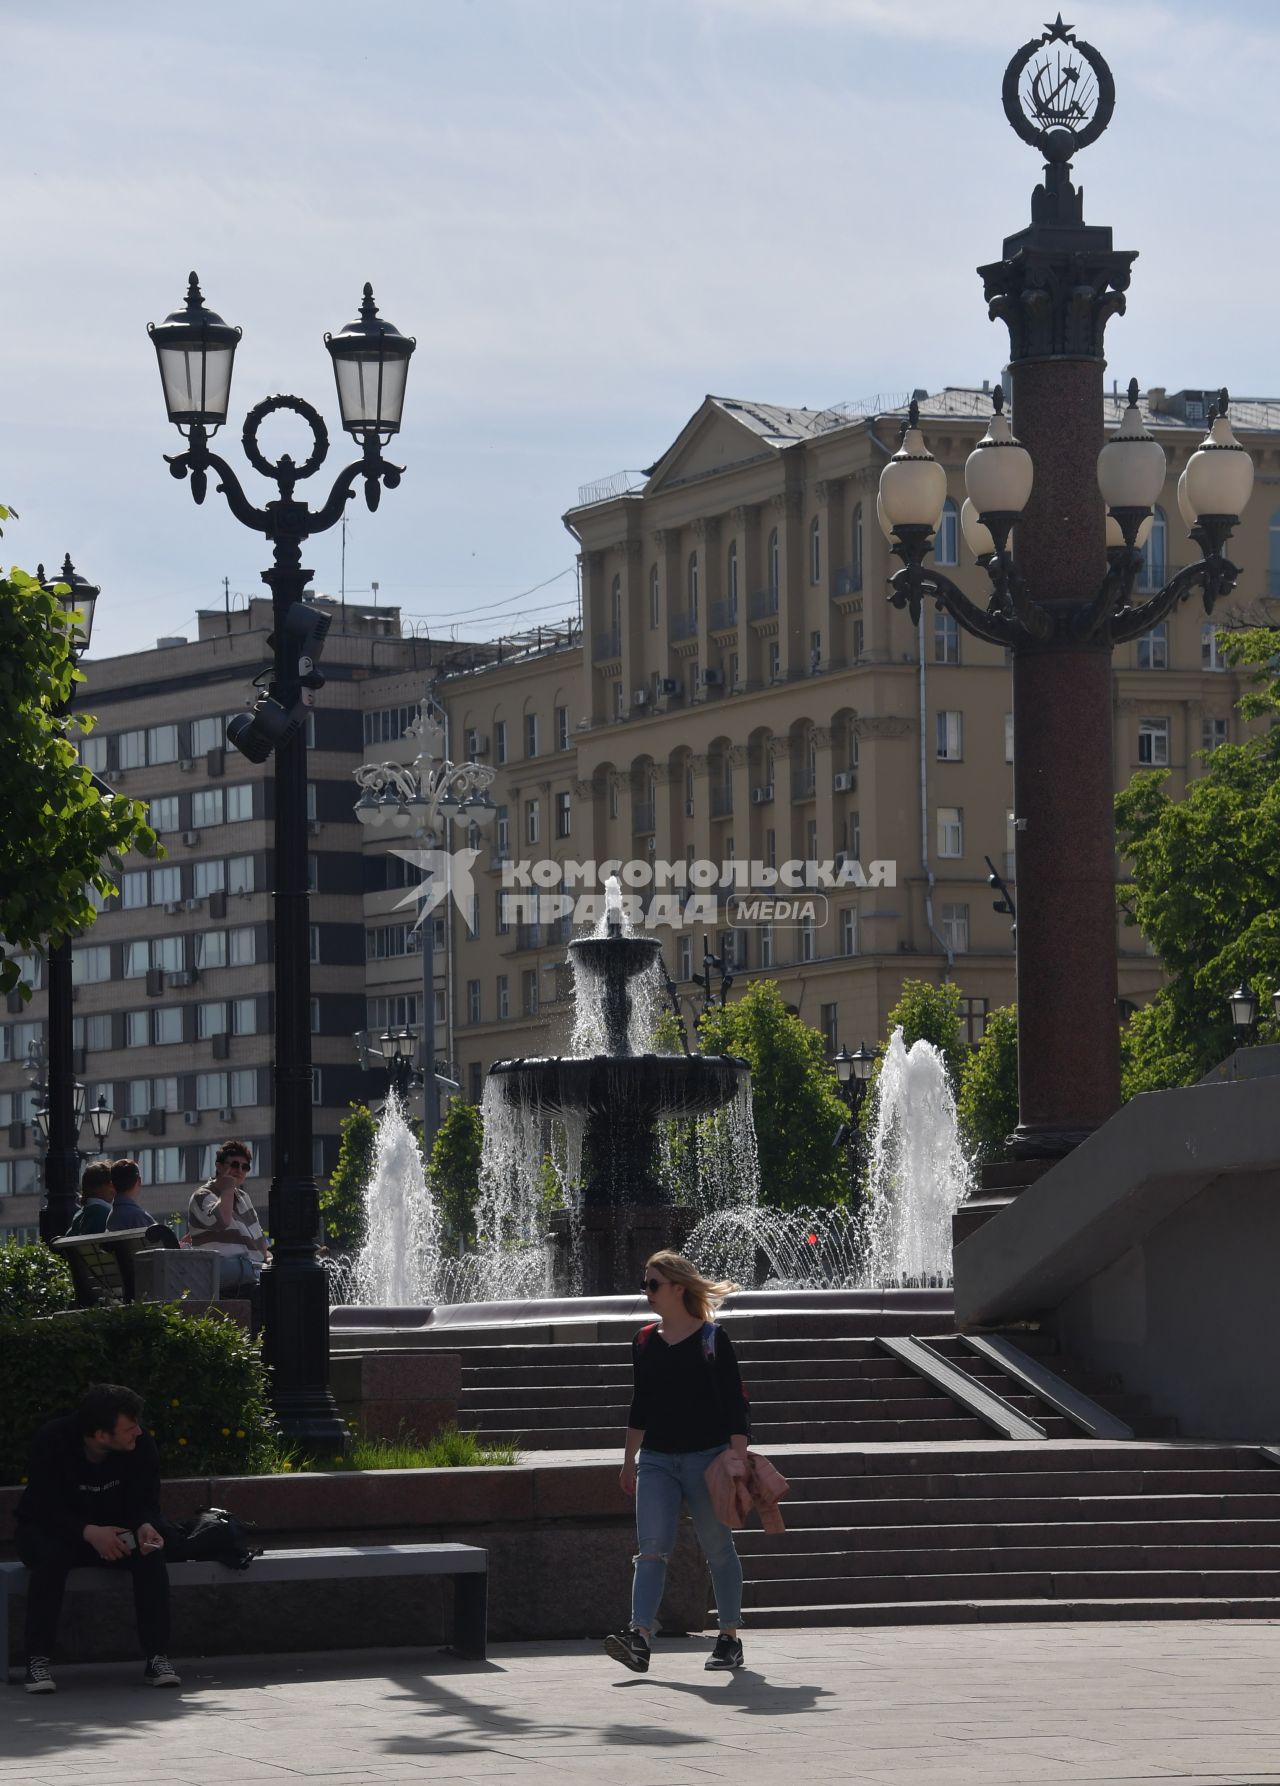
pixel 798 1107
pixel 453 1171
pixel 342 1198
pixel 1204 889
pixel 62 834
pixel 932 1014
pixel 988 1101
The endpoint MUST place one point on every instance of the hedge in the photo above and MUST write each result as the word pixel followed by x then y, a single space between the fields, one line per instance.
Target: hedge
pixel 203 1381
pixel 33 1281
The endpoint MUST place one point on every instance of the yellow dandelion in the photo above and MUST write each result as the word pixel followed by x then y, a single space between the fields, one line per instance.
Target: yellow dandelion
pixel 226 1432
pixel 175 1403
pixel 182 1441
pixel 239 1432
pixel 286 1465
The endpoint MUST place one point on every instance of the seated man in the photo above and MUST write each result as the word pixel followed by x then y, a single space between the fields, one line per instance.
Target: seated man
pixel 221 1217
pixel 93 1498
pixel 97 1194
pixel 127 1211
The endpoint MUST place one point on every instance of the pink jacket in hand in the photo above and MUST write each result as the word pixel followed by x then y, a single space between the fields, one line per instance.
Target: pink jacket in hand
pixel 737 1482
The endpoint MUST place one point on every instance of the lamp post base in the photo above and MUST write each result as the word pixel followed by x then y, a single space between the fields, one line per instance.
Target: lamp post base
pixel 1046 1141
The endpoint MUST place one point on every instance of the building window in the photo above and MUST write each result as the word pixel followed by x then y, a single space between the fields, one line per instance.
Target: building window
pixel 313 1012
pixel 859 641
pixel 684 970
pixel 211 1020
pixel 655 598
pixel 243 1087
pixel 134 889
pixel 1213 732
pixel 168 1024
pixel 829 1023
pixel 388 724
pixel 731 579
pixel 775 661
pixel 137 959
pixel 774 583
pixel 317 1086
pixel 1008 737
pixel 211 949
pixel 849 931
pixel 693 587
pixel 93 1031
pixel 163 813
pixel 973 1015
pixel 1151 575
pixel 1153 648
pixel 211 1091
pixel 532 821
pixel 946 542
pixel 93 754
pixel 244 1016
pixel 950 737
pixel 499 740
pixel 167 954
pixel 1211 657
pixel 946 638
pixel 619 706
pixel 90 964
pixel 162 744
pixel 815 550
pixel 137 1029
pixel 240 874
pixel 209 734
pixel 815 652
pixel 950 831
pixel 131 750
pixel 562 728
pixel 206 808
pixel 1153 742
pixel 856 565
pixel 473 1001
pixel 166 885
pixel 955 928
pixel 564 814
pixel 531 734
pixel 770 848
pixel 808 941
pixel 208 877
pixel 766 945
pixel 501 923
pixel 529 991
pixel 386 941
pixel 504 997
pixel 240 802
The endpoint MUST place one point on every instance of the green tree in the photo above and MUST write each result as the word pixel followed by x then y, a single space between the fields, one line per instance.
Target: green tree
pixel 62 834
pixel 932 1014
pixel 453 1172
pixel 1204 889
pixel 797 1104
pixel 342 1198
pixel 988 1101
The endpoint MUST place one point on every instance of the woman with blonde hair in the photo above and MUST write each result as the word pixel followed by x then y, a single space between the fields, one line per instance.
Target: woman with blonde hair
pixel 688 1405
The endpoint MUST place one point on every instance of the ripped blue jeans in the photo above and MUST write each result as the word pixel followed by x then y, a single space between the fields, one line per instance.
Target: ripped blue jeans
pixel 664 1479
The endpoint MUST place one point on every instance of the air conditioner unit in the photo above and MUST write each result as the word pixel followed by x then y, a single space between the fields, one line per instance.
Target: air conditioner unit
pixel 314 827
pixel 845 781
pixel 713 678
pixel 193 905
pixel 131 1124
pixel 670 686
pixel 226 1116
pixel 186 765
pixel 173 907
pixel 185 977
pixel 190 838
pixel 688 809
pixel 640 697
pixel 191 1118
pixel 477 744
pixel 761 796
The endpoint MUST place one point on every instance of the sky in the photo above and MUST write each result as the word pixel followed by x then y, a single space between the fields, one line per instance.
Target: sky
pixel 590 214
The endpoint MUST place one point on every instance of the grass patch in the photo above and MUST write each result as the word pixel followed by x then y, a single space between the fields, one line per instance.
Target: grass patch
pixel 449 1450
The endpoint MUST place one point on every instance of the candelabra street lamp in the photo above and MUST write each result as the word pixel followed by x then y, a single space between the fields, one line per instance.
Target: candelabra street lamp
pixel 196 350
pixel 77 597
pixel 853 1072
pixel 418 800
pixel 1058 517
pixel 397 1050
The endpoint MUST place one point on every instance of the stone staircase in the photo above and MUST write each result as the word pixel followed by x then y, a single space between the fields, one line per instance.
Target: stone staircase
pixel 905 1506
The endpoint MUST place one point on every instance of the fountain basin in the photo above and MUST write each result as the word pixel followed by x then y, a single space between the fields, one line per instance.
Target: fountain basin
pixel 647 1085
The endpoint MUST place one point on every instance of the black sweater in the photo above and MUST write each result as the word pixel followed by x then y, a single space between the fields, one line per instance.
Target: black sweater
pixel 65 1492
pixel 683 1400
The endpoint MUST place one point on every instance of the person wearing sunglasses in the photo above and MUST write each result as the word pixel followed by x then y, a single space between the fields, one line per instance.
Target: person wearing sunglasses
pixel 221 1216
pixel 688 1406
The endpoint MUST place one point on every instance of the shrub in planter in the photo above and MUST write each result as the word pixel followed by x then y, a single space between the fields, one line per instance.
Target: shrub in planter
pixel 33 1281
pixel 203 1380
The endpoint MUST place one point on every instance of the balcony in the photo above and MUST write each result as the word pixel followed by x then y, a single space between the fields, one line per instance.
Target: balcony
pixel 683 626
pixel 803 784
pixel 849 582
pixel 642 823
pixel 722 803
pixel 607 647
pixel 531 936
pixel 724 616
pixel 763 605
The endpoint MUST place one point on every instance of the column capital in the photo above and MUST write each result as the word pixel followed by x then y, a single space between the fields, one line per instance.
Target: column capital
pixel 737 755
pixel 883 725
pixel 787 502
pixel 707 527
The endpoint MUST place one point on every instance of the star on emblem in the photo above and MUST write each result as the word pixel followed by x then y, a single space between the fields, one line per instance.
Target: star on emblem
pixel 1058 32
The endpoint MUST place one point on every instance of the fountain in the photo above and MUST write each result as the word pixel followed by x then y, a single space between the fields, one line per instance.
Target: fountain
pixel 610 1100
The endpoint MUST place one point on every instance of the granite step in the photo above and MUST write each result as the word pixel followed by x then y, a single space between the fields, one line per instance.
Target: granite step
pixel 1021 1611
pixel 1096 1530
pixel 828 1567
pixel 1033 1584
pixel 997 1513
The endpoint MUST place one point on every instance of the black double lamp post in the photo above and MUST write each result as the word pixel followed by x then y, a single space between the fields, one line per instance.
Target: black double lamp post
pixel 60 1119
pixel 397 1048
pixel 1058 518
pixel 196 351
pixel 1243 1004
pixel 853 1073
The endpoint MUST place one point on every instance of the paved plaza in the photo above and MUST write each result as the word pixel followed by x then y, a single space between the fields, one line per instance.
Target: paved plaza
pixel 1193 1702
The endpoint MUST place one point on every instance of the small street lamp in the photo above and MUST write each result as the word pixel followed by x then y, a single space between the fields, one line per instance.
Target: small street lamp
pixel 1243 1005
pixel 101 1117
pixel 195 350
pixel 78 599
pixel 853 1072
pixel 397 1050
pixel 419 799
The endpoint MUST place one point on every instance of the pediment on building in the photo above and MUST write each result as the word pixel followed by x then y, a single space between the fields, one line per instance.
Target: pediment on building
pixel 725 433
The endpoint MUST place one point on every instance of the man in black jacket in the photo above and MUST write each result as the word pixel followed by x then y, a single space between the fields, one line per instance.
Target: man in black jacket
pixel 93 1498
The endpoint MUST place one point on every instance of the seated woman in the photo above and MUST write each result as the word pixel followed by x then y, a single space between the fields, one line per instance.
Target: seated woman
pixel 97 1194
pixel 221 1216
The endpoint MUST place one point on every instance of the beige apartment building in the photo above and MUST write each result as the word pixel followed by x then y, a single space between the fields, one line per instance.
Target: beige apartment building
pixel 739 693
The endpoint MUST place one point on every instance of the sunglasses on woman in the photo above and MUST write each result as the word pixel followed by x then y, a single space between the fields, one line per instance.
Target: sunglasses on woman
pixel 653 1283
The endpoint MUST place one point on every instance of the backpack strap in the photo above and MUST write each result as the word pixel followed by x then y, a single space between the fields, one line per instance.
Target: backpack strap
pixel 709 1341
pixel 643 1335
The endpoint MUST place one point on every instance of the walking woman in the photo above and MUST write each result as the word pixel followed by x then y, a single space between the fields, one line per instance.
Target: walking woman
pixel 688 1405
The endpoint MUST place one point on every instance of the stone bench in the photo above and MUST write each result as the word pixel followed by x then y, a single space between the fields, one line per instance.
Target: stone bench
pixel 467 1563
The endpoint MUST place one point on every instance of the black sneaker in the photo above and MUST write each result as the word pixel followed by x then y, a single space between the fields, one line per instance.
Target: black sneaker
pixel 160 1672
pixel 631 1648
pixel 727 1653
pixel 39 1679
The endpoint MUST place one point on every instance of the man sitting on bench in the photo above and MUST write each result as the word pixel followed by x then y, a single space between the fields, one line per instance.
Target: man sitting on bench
pixel 93 1498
